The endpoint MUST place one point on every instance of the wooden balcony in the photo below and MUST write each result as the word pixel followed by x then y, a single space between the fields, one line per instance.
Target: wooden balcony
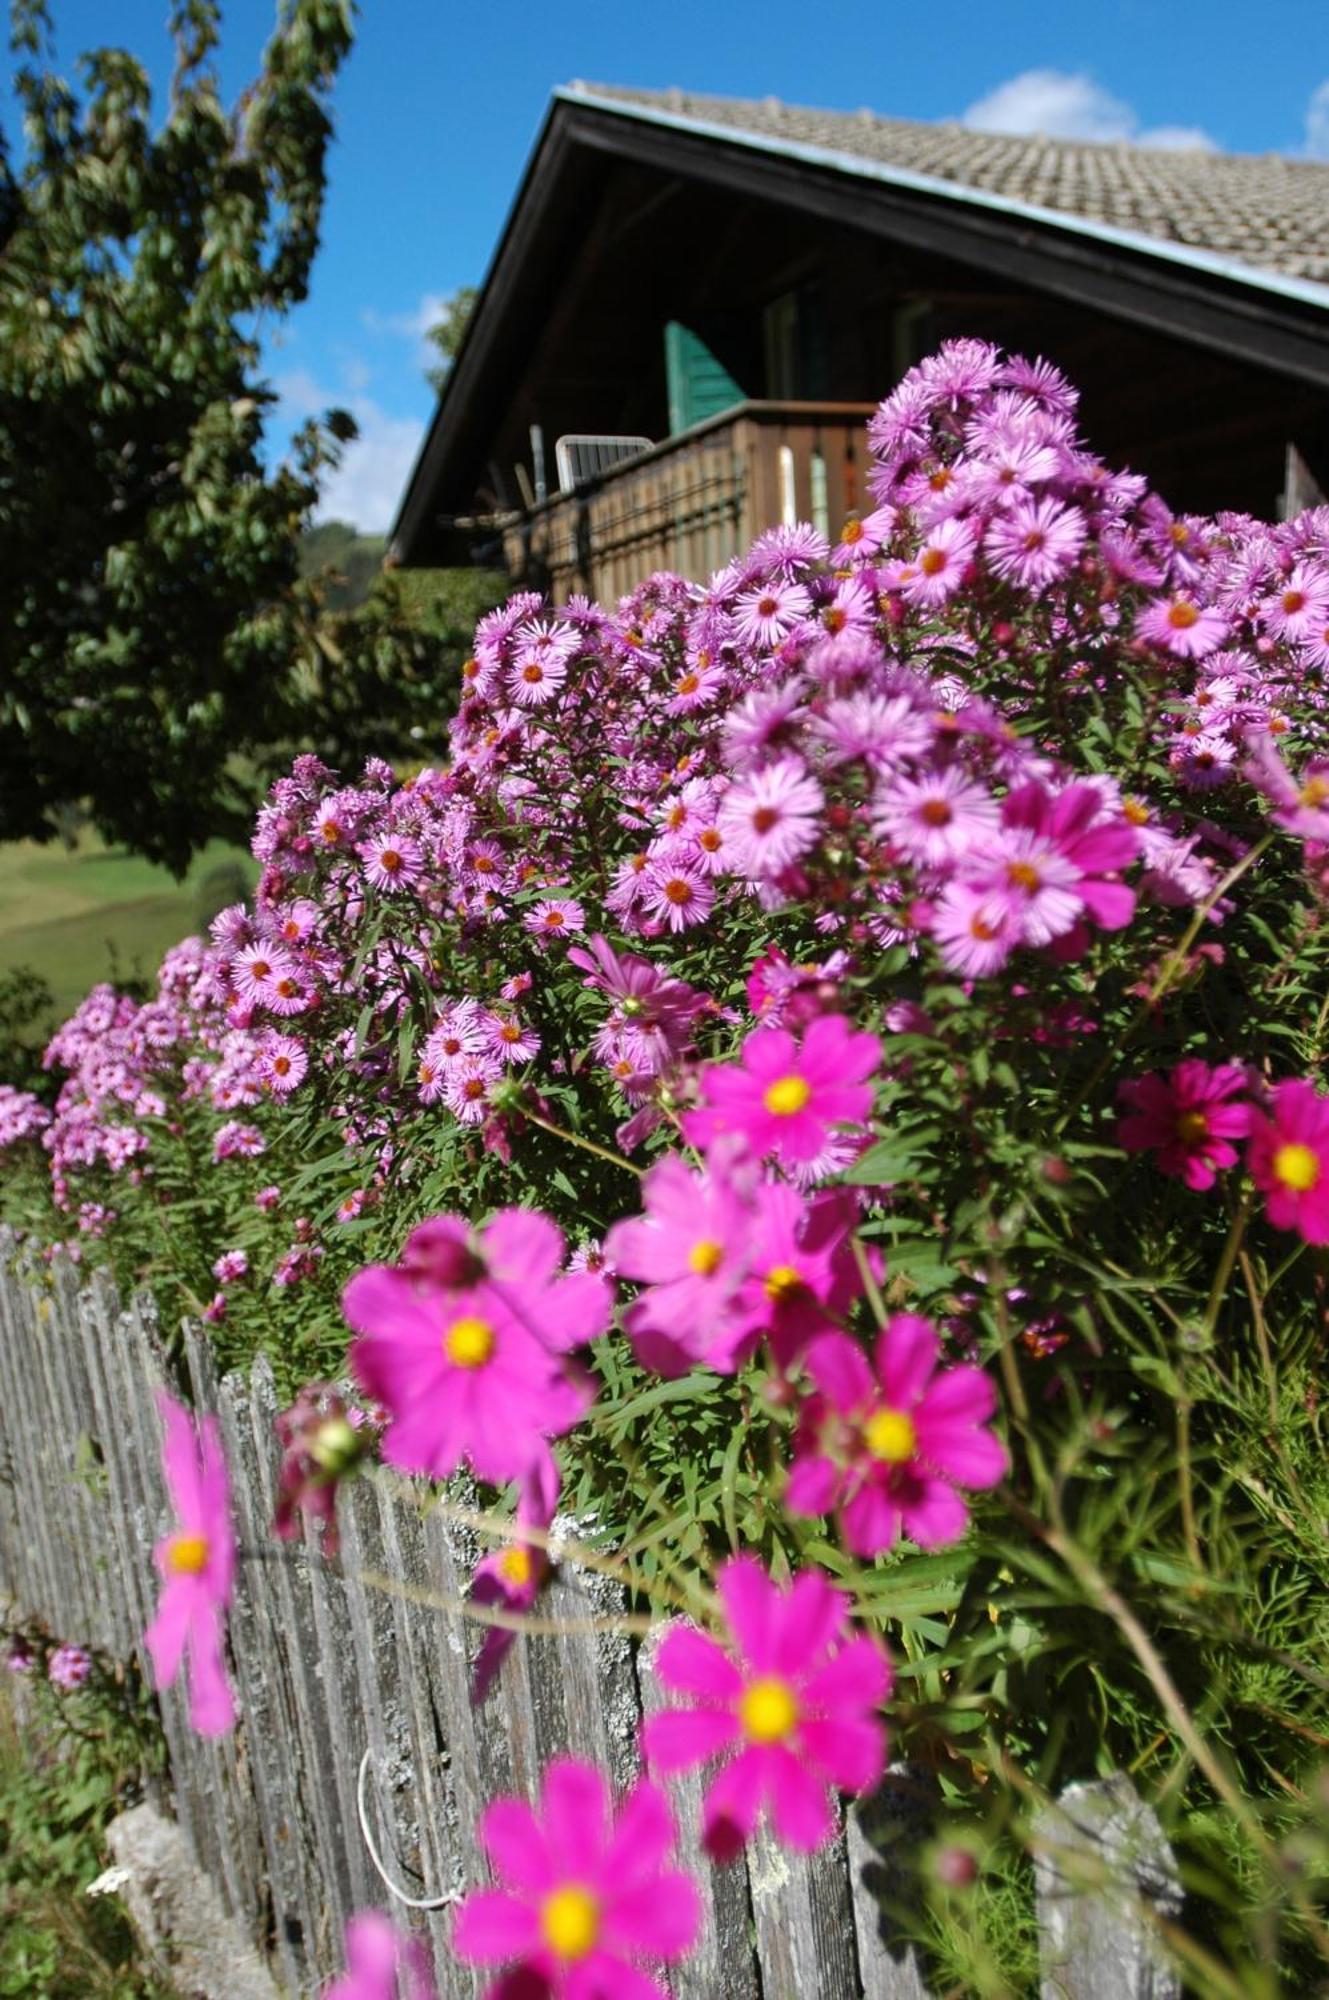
pixel 694 501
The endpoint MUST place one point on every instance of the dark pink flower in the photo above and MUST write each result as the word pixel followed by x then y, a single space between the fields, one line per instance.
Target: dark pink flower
pixel 381 1964
pixel 197 1563
pixel 689 1251
pixel 323 1439
pixel 1288 1159
pixel 887 1450
pixel 464 1343
pixel 789 1703
pixel 786 1099
pixel 585 1897
pixel 1188 1118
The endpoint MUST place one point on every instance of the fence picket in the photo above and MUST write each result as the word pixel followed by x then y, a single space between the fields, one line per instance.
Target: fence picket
pixel 1102 1869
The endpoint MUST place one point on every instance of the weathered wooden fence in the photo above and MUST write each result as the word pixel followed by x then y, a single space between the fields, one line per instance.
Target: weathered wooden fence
pixel 354 1679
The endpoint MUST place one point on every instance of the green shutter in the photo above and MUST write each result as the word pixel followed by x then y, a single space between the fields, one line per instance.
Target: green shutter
pixel 699 386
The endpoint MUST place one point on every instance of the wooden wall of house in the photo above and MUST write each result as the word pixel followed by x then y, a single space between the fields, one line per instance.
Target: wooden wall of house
pixel 644 249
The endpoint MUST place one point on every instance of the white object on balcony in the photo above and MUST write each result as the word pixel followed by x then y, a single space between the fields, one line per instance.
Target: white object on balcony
pixel 579 457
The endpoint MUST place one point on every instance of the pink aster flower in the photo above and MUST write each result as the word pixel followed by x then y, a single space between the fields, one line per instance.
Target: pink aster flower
pixel 769 614
pixel 381 1964
pixel 783 1098
pixel 1035 543
pixel 230 1267
pixel 1189 1118
pixel 463 1345
pixel 937 571
pixel 197 1564
pixel 392 861
pixel 586 1895
pixel 788 1702
pixel 935 820
pixel 1182 626
pixel 770 818
pixel 556 916
pixel 886 1450
pixel 283 1063
pixel 69 1667
pixel 1288 1159
pixel 256 971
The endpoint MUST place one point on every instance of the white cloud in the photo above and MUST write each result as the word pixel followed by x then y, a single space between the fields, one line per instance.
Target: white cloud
pixel 369 482
pixel 1317 123
pixel 1063 105
pixel 409 325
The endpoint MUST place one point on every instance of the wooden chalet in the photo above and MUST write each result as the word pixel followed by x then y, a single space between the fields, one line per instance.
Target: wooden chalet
pixel 697 302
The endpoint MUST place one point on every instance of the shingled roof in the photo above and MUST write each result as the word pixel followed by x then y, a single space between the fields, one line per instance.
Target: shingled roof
pixel 1263 210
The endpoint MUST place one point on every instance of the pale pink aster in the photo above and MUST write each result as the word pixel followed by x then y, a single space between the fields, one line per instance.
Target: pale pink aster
pixel 938 569
pixel 784 1098
pixel 769 613
pixel 586 1898
pixel 267 1198
pixel 381 1964
pixel 788 1701
pixel 975 931
pixel 770 818
pixel 1035 543
pixel 556 916
pixel 678 892
pixel 1288 1159
pixel 230 1267
pixel 69 1667
pixel 886 1447
pixel 1299 606
pixel 256 970
pixel 1181 626
pixel 935 820
pixel 283 1063
pixel 463 1344
pixel 392 861
pixel 197 1564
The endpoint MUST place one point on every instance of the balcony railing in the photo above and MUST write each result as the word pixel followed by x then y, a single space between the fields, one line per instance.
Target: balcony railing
pixel 694 501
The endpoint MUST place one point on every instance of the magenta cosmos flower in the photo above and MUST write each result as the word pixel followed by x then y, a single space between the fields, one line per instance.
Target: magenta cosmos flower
pixel 689 1252
pixel 1189 1118
pixel 785 1099
pixel 197 1563
pixel 585 1896
pixel 1288 1159
pixel 887 1450
pixel 789 1703
pixel 463 1343
pixel 381 1964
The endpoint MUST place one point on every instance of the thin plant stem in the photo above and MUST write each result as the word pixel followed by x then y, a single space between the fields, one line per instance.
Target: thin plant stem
pixel 576 1139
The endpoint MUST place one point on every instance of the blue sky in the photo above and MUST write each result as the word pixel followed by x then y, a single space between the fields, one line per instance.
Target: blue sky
pixel 440 103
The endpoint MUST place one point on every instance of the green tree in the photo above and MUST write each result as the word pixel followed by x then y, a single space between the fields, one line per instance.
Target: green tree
pixel 447 335
pixel 152 619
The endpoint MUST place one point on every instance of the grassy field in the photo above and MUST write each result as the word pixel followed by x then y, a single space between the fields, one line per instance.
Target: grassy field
pixel 98 913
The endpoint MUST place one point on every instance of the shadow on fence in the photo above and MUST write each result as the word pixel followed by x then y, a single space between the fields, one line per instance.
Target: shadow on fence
pixel 356 1710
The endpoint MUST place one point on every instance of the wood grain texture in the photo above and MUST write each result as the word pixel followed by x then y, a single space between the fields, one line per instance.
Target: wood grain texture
pixel 1102 1870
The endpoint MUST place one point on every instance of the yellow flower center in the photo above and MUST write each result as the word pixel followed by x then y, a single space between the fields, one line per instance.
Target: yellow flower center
pixel 787 1096
pixel 705 1257
pixel 1023 875
pixel 1136 811
pixel 188 1555
pixel 1297 1166
pixel 1192 1126
pixel 891 1437
pixel 1182 615
pixel 767 1711
pixel 1315 792
pixel 570 1921
pixel 783 1282
pixel 932 561
pixel 469 1342
pixel 515 1567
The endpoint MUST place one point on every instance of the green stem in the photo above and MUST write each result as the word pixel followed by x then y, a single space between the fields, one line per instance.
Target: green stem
pixel 587 1145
